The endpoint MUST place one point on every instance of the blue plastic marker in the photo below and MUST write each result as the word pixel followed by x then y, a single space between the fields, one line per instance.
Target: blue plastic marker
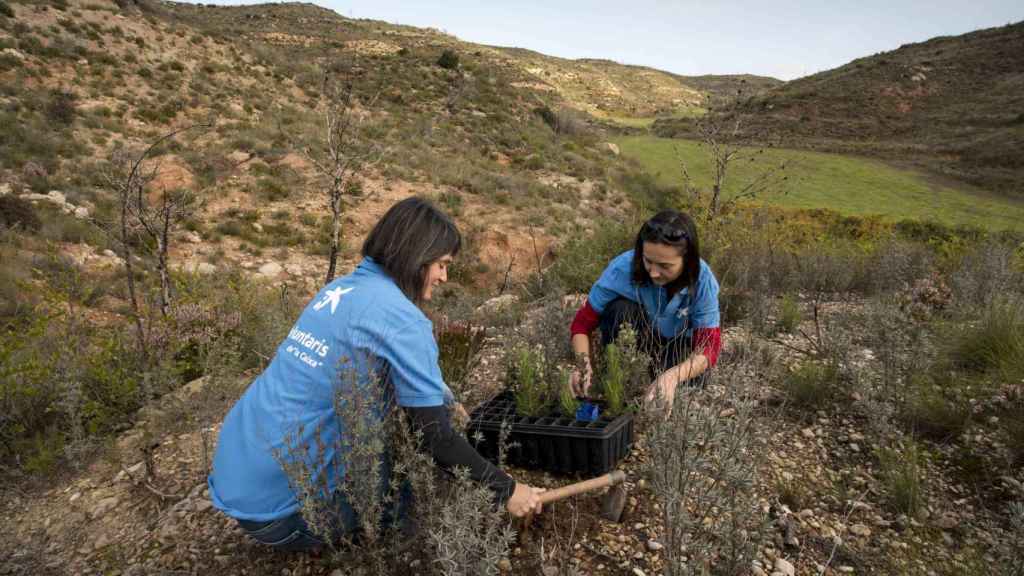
pixel 587 412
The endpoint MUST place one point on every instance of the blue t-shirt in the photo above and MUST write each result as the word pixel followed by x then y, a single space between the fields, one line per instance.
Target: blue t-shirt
pixel 678 315
pixel 357 325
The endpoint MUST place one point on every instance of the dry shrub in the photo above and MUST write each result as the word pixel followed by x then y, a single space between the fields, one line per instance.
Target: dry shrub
pixel 702 471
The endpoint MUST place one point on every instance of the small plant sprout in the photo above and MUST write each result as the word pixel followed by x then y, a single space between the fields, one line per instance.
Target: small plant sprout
pixel 566 399
pixel 614 380
pixel 531 389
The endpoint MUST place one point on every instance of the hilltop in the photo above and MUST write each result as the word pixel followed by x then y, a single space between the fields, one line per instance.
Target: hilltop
pixel 951 104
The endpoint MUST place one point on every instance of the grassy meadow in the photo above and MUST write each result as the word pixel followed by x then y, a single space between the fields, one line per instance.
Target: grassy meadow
pixel 846 184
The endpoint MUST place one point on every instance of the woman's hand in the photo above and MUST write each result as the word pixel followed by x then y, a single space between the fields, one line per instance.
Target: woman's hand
pixel 582 375
pixel 525 500
pixel 459 415
pixel 662 392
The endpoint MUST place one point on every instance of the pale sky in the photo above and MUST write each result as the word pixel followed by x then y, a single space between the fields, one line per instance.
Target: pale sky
pixel 783 38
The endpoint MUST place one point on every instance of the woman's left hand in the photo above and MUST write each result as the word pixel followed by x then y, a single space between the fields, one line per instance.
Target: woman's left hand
pixel 662 392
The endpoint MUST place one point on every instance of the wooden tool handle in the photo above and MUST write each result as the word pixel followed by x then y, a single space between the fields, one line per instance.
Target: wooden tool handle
pixel 610 479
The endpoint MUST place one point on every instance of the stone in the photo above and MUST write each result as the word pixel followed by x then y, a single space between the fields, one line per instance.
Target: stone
pixel 860 530
pixel 504 565
pixel 14 53
pixel 611 147
pixel 5 189
pixel 654 545
pixel 57 197
pixel 807 433
pixel 947 522
pixel 783 566
pixel 192 237
pixel 638 572
pixel 270 269
pixel 103 506
pixel 257 227
pixel 82 213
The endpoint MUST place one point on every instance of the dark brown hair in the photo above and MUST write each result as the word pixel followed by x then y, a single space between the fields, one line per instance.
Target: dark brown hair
pixel 407 239
pixel 676 229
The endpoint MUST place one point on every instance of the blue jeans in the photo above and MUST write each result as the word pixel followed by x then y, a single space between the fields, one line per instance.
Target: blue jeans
pixel 292 534
pixel 664 352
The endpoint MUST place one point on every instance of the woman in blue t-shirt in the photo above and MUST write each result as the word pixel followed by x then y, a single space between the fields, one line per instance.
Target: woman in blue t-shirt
pixel 670 296
pixel 363 329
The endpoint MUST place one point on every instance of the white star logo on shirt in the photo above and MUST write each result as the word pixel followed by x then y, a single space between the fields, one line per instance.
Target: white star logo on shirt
pixel 332 297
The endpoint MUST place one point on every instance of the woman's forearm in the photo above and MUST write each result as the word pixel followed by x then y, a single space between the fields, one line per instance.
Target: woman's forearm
pixel 690 368
pixel 580 344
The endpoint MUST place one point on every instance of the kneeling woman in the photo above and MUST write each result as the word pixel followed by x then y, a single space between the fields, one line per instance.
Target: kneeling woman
pixel 669 295
pixel 364 329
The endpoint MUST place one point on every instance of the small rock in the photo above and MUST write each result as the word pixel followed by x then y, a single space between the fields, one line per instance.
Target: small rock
pixel 103 506
pixel 860 530
pixel 611 147
pixel 638 572
pixel 270 269
pixel 257 227
pixel 807 433
pixel 504 565
pixel 947 522
pixel 82 213
pixel 784 567
pixel 654 545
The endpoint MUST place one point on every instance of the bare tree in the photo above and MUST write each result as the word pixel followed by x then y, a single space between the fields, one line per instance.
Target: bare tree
pixel 722 135
pixel 129 177
pixel 343 151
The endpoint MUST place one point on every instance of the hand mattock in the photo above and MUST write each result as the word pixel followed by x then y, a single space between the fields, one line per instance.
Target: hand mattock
pixel 613 503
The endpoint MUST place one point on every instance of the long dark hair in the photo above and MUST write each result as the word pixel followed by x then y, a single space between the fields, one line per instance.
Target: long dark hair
pixel 676 229
pixel 411 234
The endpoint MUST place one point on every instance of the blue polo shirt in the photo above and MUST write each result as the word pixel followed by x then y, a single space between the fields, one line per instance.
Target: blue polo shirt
pixel 357 325
pixel 673 316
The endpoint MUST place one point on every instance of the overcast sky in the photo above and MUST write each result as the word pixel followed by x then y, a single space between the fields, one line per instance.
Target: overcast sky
pixel 784 38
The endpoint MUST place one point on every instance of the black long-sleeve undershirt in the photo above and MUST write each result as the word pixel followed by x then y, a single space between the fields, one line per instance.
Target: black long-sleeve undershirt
pixel 450 449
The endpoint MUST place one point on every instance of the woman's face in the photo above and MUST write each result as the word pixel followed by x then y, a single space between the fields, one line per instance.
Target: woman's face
pixel 437 273
pixel 664 263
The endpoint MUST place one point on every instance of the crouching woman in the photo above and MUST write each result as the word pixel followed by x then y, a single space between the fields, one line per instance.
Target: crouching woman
pixel 363 329
pixel 668 294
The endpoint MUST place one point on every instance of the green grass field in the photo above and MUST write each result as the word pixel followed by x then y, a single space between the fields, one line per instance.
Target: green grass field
pixel 846 184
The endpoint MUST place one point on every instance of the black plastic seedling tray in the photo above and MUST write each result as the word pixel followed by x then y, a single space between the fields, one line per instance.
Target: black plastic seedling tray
pixel 554 443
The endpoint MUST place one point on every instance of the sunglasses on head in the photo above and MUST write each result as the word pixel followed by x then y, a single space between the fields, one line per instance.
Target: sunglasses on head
pixel 669 232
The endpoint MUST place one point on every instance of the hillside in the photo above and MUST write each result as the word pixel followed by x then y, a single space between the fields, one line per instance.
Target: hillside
pixel 952 104
pixel 866 415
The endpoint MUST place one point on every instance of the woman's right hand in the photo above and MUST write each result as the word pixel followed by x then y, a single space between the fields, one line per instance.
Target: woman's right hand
pixel 582 374
pixel 525 500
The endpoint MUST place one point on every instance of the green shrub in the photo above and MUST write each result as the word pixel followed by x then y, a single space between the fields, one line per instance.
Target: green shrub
pixel 271 190
pixel 902 473
pixel 60 108
pixel 448 60
pixel 789 314
pixel 614 383
pixel 15 211
pixel 585 255
pixel 994 344
pixel 531 387
pixel 811 386
pixel 936 410
pixel 567 401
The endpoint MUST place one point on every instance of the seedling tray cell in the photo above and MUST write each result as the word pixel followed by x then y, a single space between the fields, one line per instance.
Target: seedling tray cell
pixel 552 442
